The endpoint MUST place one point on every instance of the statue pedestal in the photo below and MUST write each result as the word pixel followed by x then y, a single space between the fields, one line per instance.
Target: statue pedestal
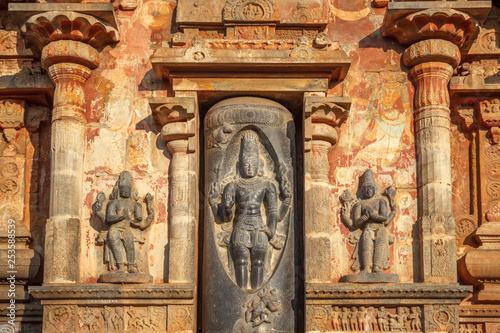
pixel 157 308
pixel 125 277
pixel 378 277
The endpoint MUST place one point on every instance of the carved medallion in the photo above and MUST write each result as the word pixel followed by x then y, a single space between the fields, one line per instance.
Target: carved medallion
pixel 251 10
pixel 465 226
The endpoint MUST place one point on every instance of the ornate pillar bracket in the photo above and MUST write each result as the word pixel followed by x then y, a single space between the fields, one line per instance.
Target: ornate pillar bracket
pixel 177 115
pixel 68 37
pixel 323 116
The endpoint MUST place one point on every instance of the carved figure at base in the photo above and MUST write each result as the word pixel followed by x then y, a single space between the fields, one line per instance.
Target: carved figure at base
pixel 260 310
pixel 369 217
pixel 123 212
pixel 251 236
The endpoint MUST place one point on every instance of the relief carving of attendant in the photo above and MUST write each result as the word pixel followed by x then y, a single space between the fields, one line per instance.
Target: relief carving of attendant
pixel 123 212
pixel 371 215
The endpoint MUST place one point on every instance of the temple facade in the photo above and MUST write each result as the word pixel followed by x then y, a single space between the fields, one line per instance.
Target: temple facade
pixel 249 166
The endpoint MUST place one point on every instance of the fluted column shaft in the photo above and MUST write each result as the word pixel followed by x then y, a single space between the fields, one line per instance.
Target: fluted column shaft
pixel 69 64
pixel 432 63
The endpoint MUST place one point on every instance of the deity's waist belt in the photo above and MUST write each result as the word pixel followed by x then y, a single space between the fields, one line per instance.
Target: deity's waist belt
pixel 250 223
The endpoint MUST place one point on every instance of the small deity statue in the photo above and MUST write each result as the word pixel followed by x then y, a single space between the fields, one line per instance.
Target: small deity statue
pixel 247 193
pixel 371 216
pixel 123 212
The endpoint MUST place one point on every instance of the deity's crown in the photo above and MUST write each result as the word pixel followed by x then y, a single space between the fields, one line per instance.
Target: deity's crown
pixel 126 179
pixel 249 143
pixel 367 179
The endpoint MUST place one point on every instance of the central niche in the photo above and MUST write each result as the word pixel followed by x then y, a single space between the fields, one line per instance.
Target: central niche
pixel 249 211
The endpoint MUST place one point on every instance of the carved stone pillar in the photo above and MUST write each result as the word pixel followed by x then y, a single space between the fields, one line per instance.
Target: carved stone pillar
pixel 322 117
pixel 69 57
pixel 177 116
pixel 432 63
pixel 436 33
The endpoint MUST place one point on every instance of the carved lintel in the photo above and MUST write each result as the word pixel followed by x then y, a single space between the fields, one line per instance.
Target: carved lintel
pixel 42 23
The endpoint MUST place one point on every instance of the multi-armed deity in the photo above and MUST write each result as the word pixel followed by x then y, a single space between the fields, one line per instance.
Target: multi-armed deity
pixel 370 217
pixel 242 200
pixel 123 212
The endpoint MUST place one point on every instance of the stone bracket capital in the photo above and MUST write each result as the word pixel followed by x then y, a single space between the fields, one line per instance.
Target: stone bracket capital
pixel 42 23
pixel 11 117
pixel 177 116
pixel 456 21
pixel 472 112
pixel 489 114
pixel 323 115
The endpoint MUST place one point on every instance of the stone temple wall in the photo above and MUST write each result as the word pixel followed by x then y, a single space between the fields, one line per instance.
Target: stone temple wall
pixel 249 166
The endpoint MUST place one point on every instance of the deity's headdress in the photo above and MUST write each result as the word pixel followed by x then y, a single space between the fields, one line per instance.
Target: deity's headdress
pixel 249 144
pixel 367 179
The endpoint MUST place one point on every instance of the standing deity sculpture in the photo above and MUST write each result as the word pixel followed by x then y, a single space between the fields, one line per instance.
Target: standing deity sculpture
pixel 123 213
pixel 250 224
pixel 369 217
pixel 242 200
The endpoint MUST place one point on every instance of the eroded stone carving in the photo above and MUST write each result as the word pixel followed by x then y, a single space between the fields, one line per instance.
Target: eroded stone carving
pixel 261 309
pixel 369 216
pixel 123 212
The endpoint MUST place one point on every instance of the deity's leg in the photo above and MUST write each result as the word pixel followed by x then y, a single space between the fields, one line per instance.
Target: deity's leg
pixel 366 251
pixel 241 255
pixel 114 242
pixel 128 242
pixel 258 260
pixel 379 249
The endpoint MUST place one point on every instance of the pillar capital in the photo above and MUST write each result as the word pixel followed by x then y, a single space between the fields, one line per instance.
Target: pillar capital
pixel 432 50
pixel 176 115
pixel 44 23
pixel 454 21
pixel 324 115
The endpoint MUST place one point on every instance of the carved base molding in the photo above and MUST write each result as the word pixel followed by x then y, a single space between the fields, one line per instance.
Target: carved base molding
pixel 116 308
pixel 349 307
pixel 28 316
pixel 475 318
